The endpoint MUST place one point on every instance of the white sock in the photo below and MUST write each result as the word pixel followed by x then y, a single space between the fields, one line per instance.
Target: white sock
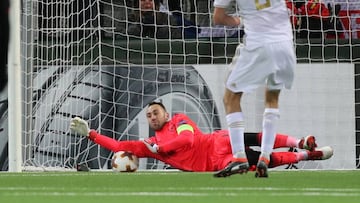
pixel 236 128
pixel 270 118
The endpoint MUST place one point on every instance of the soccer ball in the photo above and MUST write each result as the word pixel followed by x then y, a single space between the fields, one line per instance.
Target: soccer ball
pixel 124 162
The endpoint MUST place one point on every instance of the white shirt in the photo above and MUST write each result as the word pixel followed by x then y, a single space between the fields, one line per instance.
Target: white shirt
pixel 265 21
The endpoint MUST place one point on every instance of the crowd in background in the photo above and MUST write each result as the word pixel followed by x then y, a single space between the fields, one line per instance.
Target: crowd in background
pixel 191 19
pixel 315 19
pixel 310 19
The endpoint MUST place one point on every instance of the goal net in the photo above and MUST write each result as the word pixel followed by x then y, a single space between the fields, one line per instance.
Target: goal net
pixel 104 61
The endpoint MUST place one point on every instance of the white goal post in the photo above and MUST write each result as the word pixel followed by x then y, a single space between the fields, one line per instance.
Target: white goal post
pixel 78 58
pixel 15 98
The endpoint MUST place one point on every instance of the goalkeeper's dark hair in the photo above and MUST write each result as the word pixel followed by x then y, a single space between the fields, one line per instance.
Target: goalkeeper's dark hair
pixel 156 2
pixel 158 103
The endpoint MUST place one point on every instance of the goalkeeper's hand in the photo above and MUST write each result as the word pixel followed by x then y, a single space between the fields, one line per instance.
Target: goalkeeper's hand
pixel 79 126
pixel 151 146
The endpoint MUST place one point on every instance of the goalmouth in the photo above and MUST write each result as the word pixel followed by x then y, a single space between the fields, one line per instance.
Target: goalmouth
pixel 70 58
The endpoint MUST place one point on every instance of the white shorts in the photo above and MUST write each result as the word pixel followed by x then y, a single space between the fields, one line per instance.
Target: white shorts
pixel 272 64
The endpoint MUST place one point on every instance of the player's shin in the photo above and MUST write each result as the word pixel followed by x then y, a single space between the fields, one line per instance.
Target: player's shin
pixel 236 132
pixel 270 118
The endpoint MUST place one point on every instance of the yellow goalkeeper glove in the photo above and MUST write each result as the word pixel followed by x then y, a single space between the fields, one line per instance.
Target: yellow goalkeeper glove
pixel 79 126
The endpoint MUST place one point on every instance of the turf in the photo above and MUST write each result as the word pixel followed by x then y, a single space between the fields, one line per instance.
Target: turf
pixel 171 187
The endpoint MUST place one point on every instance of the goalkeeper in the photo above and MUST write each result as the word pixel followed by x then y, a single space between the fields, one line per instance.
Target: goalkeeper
pixel 180 143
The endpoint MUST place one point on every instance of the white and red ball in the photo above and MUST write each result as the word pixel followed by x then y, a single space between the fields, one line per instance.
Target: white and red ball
pixel 123 161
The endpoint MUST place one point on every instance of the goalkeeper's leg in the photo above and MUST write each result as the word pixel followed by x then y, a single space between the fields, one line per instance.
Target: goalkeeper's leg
pixel 283 140
pixel 285 158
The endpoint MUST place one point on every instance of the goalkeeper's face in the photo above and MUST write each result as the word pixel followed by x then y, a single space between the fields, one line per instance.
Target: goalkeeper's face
pixel 156 116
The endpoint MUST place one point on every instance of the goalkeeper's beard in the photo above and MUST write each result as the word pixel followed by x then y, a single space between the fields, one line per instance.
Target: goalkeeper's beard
pixel 155 125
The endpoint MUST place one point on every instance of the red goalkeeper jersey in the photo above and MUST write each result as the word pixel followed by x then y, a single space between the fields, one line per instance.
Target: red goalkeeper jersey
pixel 183 146
pixel 189 150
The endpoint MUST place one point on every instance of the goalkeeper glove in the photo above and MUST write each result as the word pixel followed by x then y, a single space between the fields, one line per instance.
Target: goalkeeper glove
pixel 151 146
pixel 79 126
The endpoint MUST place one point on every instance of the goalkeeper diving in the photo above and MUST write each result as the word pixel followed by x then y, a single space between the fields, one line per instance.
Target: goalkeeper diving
pixel 180 143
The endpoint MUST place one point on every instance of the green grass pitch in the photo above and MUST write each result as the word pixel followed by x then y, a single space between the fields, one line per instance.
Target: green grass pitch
pixel 172 187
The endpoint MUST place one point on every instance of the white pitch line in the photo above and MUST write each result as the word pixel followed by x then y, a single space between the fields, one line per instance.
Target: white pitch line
pixel 210 189
pixel 97 194
pixel 278 189
pixel 172 191
pixel 179 194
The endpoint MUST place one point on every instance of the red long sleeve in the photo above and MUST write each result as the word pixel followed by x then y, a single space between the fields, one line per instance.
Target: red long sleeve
pixel 136 147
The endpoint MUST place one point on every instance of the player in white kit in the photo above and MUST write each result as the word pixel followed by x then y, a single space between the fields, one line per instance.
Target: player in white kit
pixel 266 57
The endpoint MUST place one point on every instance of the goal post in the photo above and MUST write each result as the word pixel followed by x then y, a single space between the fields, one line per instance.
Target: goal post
pixel 78 58
pixel 14 89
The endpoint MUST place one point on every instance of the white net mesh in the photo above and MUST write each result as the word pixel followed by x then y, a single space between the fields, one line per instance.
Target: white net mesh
pixel 96 60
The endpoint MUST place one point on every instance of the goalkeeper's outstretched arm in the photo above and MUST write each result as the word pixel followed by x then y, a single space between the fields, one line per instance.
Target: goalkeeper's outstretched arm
pixel 80 127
